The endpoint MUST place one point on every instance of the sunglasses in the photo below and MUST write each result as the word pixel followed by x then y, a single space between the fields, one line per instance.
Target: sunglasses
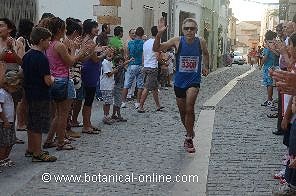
pixel 190 28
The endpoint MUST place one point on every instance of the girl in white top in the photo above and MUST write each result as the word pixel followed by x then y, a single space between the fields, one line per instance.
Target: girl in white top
pixel 107 86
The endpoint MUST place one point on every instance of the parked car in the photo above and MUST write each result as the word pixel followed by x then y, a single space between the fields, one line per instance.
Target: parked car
pixel 238 58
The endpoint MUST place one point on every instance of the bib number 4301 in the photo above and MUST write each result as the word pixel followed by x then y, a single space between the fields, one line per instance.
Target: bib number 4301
pixel 189 64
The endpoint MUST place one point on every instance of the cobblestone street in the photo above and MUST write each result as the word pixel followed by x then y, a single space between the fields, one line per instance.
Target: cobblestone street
pixel 244 153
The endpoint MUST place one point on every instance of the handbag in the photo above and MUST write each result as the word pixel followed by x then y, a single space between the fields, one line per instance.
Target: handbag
pixel 75 75
pixel 59 90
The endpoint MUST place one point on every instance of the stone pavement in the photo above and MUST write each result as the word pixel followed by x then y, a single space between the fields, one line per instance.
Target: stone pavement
pixel 245 154
pixel 153 143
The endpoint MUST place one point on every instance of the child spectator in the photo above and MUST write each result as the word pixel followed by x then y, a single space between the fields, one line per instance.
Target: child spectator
pixel 37 80
pixel 107 86
pixel 10 85
pixel 268 62
pixel 118 87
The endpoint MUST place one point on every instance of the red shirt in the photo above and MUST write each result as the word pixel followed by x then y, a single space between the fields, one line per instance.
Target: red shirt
pixel 9 57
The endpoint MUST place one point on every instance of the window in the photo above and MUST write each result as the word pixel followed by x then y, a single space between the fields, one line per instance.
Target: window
pixel 164 37
pixel 148 20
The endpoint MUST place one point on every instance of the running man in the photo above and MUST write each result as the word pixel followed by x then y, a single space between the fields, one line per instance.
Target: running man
pixel 189 53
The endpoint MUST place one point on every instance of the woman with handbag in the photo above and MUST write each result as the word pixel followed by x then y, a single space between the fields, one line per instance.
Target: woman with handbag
pixel 63 90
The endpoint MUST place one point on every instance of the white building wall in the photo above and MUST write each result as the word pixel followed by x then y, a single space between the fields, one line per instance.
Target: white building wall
pixel 81 9
pixel 131 11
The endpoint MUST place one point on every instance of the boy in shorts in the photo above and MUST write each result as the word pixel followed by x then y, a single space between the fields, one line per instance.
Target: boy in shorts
pixel 119 77
pixel 37 82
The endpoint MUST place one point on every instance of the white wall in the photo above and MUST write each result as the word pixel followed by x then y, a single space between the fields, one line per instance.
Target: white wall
pixel 132 13
pixel 81 9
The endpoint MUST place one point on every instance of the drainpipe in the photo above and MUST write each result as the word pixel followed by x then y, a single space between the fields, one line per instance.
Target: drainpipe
pixel 213 36
pixel 171 14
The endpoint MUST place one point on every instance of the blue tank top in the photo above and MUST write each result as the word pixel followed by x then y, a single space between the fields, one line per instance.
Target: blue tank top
pixel 188 63
pixel 90 73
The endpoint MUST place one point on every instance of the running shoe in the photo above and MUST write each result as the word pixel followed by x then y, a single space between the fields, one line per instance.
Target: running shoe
pixel 188 145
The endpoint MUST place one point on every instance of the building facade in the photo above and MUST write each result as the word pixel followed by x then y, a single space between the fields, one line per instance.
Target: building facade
pixel 248 35
pixel 211 24
pixel 211 16
pixel 223 22
pixel 212 19
pixel 132 13
pixel 292 9
pixel 287 9
pixel 269 21
pixel 135 13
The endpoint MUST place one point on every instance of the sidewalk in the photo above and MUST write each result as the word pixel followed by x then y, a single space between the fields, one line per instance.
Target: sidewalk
pixel 148 143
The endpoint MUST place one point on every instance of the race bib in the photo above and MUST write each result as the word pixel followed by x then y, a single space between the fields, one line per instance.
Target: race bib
pixel 188 64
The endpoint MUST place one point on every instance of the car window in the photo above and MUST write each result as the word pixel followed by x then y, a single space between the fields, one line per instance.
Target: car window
pixel 237 54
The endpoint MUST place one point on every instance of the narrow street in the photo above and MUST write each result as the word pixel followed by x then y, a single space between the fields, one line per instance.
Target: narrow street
pixel 245 154
pixel 60 51
pixel 243 158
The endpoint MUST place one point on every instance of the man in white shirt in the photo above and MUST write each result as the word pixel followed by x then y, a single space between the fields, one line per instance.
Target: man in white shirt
pixel 150 72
